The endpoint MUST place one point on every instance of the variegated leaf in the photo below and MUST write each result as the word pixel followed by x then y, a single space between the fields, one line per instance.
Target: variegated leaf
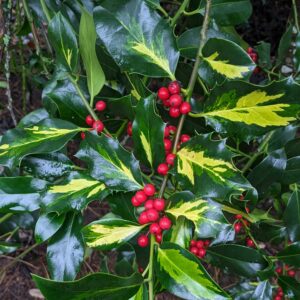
pixel 110 163
pixel 148 133
pixel 244 110
pixel 205 167
pixel 110 232
pixel 182 274
pixel 45 137
pixel 139 40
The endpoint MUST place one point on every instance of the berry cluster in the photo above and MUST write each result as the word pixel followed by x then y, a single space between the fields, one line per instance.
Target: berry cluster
pixel 95 124
pixel 290 272
pixel 172 99
pixel 240 225
pixel 199 247
pixel 279 295
pixel 153 208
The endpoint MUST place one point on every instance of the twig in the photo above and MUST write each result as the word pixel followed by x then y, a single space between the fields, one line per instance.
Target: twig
pixel 179 12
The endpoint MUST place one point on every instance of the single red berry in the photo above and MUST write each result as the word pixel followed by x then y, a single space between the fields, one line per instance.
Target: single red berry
pixel 247 209
pixel 141 270
pixel 154 228
pixel 140 196
pixel 89 120
pixel 143 218
pixel 143 241
pixel 280 293
pixel 159 204
pixel 98 126
pixel 194 250
pixel 162 169
pixel 165 223
pixel 242 197
pixel 166 103
pixel 152 214
pixel 158 237
pixel 184 138
pixel 256 70
pixel 291 273
pixel 149 189
pixel 238 217
pixel 167 131
pixel 254 56
pixel 200 244
pixel 172 129
pixel 249 50
pixel 201 252
pixel 129 128
pixel 82 135
pixel 170 159
pixel 277 297
pixel 175 100
pixel 174 112
pixel 206 243
pixel 250 243
pixel 237 227
pixel 279 289
pixel 135 202
pixel 163 93
pixel 148 204
pixel 193 243
pixel 174 87
pixel 167 144
pixel 100 105
pixel 185 108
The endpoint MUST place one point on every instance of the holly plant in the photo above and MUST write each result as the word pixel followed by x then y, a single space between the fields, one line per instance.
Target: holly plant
pixel 151 109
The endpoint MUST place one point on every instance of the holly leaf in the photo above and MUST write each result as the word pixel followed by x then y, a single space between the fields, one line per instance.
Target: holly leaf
pixel 292 171
pixel 148 133
pixel 94 286
pixel 110 232
pixel 290 286
pixel 20 194
pixel 148 44
pixel 290 255
pixel 110 163
pixel 6 247
pixel 205 160
pixel 45 137
pixel 65 249
pixel 263 291
pixel 244 110
pixel 33 118
pixel 182 274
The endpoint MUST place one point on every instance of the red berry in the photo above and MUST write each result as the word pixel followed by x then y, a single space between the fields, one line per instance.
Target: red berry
pixel 194 250
pixel 291 273
pixel 170 159
pixel 135 202
pixel 172 129
pixel 237 227
pixel 149 189
pixel 166 103
pixel 82 135
pixel 98 126
pixel 140 196
pixel 89 120
pixel 143 218
pixel 200 244
pixel 158 237
pixel 247 209
pixel 148 204
pixel 143 241
pixel 250 243
pixel 152 214
pixel 280 293
pixel 165 223
pixel 141 270
pixel 193 243
pixel 184 138
pixel 174 112
pixel 254 56
pixel 206 243
pixel 163 93
pixel 242 197
pixel 154 228
pixel 162 169
pixel 201 252
pixel 249 50
pixel 100 105
pixel 167 144
pixel 238 217
pixel 174 87
pixel 185 108
pixel 129 128
pixel 175 100
pixel 159 204
pixel 167 131
pixel 277 297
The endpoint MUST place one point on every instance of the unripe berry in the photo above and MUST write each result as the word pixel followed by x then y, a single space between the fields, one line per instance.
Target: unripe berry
pixel 129 128
pixel 89 120
pixel 185 108
pixel 193 243
pixel 140 196
pixel 162 169
pixel 200 244
pixel 291 273
pixel 174 87
pixel 159 204
pixel 167 144
pixel 82 135
pixel 143 241
pixel 194 250
pixel 184 138
pixel 158 237
pixel 237 227
pixel 201 252
pixel 165 223
pixel 135 202
pixel 154 228
pixel 175 100
pixel 100 105
pixel 174 112
pixel 98 126
pixel 149 204
pixel 170 159
pixel 163 93
pixel 143 218
pixel 149 189
pixel 152 214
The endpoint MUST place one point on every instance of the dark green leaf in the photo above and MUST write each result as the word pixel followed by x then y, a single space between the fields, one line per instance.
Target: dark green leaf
pixel 284 44
pixel 264 55
pixel 290 286
pixel 121 107
pixel 290 255
pixel 6 247
pixel 263 291
pixel 292 171
pixel 33 118
pixel 292 148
